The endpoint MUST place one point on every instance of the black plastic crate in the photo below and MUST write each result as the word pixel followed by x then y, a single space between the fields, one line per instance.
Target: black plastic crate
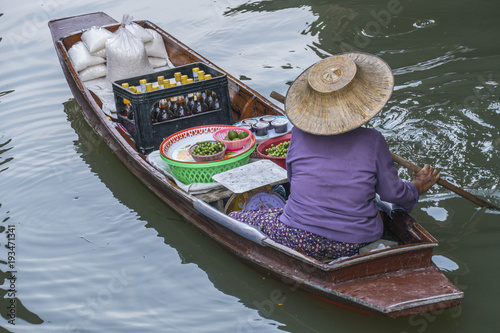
pixel 148 135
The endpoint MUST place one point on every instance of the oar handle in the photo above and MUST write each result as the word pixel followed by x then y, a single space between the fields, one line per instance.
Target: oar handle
pixel 412 167
pixel 277 96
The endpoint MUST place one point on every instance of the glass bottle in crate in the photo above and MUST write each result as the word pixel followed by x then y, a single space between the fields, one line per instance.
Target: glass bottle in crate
pixel 126 103
pixel 142 84
pixel 173 107
pixel 165 113
pixel 190 102
pixel 209 99
pixel 215 103
pixel 195 71
pixel 202 94
pixel 161 80
pixel 199 104
pixel 189 98
pixel 166 85
pixel 156 107
pixel 201 75
pixel 149 87
pixel 212 98
pixel 175 101
pixel 155 113
pixel 207 94
pixel 127 108
pixel 130 111
pixel 182 109
pixel 177 78
pixel 184 80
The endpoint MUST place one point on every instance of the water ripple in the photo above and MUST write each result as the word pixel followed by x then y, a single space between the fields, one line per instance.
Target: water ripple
pixel 99 252
pixel 4 148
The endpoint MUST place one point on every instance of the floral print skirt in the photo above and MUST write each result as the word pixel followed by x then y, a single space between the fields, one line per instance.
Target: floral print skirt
pixel 316 246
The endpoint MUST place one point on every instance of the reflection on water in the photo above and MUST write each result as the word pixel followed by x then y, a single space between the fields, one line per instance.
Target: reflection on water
pixel 4 148
pixel 12 308
pixel 3 93
pixel 84 218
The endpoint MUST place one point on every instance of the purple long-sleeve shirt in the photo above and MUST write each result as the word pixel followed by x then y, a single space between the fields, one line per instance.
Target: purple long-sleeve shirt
pixel 333 183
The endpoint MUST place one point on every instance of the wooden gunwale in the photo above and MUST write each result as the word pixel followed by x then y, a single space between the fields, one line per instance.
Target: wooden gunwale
pixel 292 267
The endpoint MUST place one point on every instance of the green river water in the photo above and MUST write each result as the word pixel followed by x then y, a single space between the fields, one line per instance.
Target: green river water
pixel 96 251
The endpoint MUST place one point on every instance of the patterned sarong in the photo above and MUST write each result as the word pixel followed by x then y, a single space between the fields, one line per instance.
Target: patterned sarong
pixel 318 247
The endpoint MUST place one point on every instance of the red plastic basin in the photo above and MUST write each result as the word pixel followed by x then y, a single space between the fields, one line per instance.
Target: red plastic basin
pixel 261 149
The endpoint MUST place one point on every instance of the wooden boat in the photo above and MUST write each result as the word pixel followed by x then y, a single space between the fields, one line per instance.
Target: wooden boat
pixel 397 281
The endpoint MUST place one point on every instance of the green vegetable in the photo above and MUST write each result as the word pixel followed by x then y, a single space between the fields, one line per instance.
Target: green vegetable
pixel 278 151
pixel 208 148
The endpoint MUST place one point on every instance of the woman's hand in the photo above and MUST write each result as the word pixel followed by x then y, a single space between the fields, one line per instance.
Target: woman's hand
pixel 425 178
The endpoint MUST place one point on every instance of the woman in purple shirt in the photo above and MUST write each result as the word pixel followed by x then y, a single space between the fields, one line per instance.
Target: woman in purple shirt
pixel 335 167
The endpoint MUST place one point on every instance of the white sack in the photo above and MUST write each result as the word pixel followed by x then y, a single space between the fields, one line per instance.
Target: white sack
pixel 95 38
pixel 101 53
pixel 139 32
pixel 156 47
pixel 126 56
pixel 157 62
pixel 81 57
pixel 93 72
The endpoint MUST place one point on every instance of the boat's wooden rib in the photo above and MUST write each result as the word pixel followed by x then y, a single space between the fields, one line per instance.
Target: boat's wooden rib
pixel 396 282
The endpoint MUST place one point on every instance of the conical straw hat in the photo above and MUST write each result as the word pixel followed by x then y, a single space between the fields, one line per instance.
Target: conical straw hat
pixel 339 93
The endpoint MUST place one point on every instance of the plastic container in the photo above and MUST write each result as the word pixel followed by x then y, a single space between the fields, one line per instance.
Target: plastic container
pixel 147 135
pixel 249 122
pixel 207 158
pixel 261 128
pixel 268 119
pixel 280 125
pixel 261 149
pixel 236 144
pixel 248 127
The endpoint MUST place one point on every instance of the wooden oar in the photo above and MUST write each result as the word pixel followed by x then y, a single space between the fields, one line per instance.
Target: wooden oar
pixel 478 201
pixel 412 167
